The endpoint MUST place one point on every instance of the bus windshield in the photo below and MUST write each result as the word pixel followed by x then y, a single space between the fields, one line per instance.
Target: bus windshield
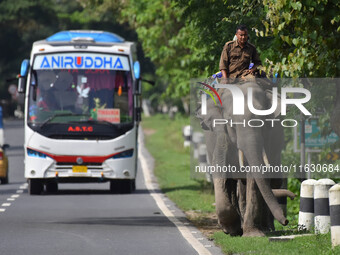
pixel 68 93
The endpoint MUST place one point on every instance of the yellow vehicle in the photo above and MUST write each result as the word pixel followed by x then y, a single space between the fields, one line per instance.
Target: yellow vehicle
pixel 3 165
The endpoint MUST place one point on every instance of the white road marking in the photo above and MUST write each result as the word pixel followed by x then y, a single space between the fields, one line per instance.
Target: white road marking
pixel 14 196
pixel 185 231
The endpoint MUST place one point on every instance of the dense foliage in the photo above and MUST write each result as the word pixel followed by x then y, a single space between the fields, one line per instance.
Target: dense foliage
pixel 22 22
pixel 183 39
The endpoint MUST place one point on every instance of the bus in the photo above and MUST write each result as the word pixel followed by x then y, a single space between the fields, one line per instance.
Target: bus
pixel 82 111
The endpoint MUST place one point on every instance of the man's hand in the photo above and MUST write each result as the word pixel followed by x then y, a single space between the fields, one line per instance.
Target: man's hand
pixel 224 79
pixel 252 71
pixel 224 73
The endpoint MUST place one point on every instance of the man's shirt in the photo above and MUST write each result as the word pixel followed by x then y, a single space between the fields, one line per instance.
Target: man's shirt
pixel 235 60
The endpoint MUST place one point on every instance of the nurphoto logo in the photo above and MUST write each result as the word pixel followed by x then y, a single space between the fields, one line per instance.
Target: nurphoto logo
pixel 239 98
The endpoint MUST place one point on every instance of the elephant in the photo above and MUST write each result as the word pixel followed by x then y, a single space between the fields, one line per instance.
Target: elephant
pixel 245 204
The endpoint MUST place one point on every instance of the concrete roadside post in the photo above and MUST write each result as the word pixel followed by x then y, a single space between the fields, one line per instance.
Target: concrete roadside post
pixel 306 213
pixel 187 130
pixel 197 138
pixel 202 154
pixel 334 208
pixel 322 219
pixel 202 158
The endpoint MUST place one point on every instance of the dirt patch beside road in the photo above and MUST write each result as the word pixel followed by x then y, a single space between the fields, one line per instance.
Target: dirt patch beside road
pixel 205 222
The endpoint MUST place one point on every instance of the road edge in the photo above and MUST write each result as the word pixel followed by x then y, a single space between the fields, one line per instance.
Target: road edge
pixel 193 236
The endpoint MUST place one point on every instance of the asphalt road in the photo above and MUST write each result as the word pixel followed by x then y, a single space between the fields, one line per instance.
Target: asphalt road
pixel 80 218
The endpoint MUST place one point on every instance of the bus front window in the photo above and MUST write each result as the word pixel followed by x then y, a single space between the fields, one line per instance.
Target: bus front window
pixel 62 96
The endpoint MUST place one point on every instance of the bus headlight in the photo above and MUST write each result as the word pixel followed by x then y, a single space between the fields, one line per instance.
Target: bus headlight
pixel 124 154
pixel 37 154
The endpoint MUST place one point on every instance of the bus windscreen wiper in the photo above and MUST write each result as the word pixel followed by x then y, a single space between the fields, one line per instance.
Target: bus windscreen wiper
pixel 61 115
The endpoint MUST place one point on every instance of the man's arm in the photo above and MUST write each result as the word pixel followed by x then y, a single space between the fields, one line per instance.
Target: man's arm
pixel 224 73
pixel 224 62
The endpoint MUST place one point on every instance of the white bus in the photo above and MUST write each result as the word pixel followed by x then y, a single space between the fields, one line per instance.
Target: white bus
pixel 82 110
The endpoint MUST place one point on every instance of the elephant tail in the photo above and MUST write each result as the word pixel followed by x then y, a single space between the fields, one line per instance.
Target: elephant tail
pixel 283 193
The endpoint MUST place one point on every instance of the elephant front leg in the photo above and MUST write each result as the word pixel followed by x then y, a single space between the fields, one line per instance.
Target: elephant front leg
pixel 228 216
pixel 254 209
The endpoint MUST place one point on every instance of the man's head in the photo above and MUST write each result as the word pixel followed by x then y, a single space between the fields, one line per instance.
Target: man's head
pixel 242 34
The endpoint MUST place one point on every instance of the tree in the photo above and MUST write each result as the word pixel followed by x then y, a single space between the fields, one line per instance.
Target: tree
pixel 306 35
pixel 294 38
pixel 163 35
pixel 21 23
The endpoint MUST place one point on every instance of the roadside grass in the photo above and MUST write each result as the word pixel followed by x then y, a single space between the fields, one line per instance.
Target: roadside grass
pixel 172 164
pixel 315 244
pixel 163 139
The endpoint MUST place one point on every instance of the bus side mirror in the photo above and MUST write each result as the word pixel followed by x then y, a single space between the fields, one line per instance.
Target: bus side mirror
pixel 25 65
pixel 136 70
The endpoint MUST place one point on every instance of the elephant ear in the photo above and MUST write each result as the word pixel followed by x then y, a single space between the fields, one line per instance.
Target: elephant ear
pixel 205 125
pixel 206 120
pixel 203 119
pixel 269 96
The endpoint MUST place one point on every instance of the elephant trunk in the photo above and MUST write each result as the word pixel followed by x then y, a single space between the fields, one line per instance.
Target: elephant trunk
pixel 257 158
pixel 271 200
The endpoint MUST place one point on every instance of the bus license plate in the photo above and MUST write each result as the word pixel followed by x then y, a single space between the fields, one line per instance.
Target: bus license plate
pixel 79 169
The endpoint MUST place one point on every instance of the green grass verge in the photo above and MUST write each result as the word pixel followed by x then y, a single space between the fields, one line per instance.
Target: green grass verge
pixel 172 168
pixel 172 164
pixel 316 244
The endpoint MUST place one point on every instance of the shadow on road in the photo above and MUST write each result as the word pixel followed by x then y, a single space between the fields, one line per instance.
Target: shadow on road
pixel 15 148
pixel 152 221
pixel 97 192
pixel 7 191
pixel 13 123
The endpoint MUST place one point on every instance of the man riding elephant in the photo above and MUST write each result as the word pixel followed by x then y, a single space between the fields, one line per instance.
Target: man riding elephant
pixel 244 205
pixel 237 55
